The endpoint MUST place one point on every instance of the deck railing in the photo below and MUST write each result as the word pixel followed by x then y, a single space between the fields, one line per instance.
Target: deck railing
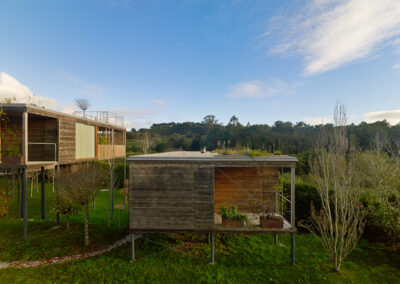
pixel 102 116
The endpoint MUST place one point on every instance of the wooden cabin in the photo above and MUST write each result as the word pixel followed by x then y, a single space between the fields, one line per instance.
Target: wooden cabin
pixel 35 136
pixel 184 191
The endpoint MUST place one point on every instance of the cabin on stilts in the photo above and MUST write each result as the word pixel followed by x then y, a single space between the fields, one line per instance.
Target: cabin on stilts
pixel 185 191
pixel 35 139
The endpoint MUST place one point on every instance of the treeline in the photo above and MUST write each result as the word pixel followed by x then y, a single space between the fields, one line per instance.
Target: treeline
pixel 286 137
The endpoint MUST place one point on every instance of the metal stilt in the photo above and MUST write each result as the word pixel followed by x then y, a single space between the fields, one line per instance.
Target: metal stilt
pixel 132 247
pixel 292 250
pixel 25 201
pixel 43 195
pixel 212 248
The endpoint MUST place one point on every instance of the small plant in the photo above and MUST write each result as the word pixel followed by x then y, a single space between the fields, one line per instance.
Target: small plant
pixel 232 213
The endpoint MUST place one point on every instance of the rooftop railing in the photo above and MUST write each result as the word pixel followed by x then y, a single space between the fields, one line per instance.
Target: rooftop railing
pixel 102 117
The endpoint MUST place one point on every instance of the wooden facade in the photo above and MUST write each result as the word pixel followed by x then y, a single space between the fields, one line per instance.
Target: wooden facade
pixel 50 137
pixel 184 192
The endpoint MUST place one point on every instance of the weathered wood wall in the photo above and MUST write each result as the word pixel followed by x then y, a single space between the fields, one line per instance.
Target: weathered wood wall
pixel 109 151
pixel 171 197
pixel 66 140
pixel 259 182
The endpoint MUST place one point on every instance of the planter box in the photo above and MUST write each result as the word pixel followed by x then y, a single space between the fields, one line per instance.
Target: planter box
pixel 271 223
pixel 233 223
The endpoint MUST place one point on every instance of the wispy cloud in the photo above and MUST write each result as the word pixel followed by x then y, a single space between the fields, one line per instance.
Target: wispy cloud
pixel 259 89
pixel 392 116
pixel 159 102
pixel 330 34
pixel 136 118
pixel 396 66
pixel 91 91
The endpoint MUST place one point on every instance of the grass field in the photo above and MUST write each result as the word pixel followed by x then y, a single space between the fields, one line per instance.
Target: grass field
pixel 239 258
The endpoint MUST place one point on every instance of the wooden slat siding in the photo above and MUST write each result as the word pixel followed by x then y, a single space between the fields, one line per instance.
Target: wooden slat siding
pixel 171 197
pixel 67 140
pixel 110 151
pixel 259 182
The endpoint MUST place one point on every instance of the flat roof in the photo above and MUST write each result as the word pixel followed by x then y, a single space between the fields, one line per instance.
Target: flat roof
pixel 22 107
pixel 210 157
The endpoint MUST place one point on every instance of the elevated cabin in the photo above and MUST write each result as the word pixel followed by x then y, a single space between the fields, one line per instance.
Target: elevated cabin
pixel 184 191
pixel 33 136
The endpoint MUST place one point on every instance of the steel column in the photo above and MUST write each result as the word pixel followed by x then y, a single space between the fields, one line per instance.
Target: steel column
pixel 43 195
pixel 292 250
pixel 57 173
pixel 132 247
pixel 25 201
pixel 212 248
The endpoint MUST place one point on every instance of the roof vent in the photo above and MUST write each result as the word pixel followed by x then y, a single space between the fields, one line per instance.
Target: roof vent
pixel 203 150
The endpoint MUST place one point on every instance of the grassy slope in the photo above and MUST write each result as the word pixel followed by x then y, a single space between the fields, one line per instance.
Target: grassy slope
pixel 240 259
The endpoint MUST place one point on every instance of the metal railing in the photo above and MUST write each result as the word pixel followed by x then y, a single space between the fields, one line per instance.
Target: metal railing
pixel 102 116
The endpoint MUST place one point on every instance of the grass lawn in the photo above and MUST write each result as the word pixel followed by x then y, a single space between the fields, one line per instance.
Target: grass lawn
pixel 239 258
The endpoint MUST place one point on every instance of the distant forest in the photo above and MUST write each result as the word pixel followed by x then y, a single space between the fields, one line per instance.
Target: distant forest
pixel 285 137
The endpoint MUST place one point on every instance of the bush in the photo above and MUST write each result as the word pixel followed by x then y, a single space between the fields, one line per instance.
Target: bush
pixel 306 194
pixel 383 220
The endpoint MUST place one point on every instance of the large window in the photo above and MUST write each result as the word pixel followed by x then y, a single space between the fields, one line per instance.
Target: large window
pixel 85 141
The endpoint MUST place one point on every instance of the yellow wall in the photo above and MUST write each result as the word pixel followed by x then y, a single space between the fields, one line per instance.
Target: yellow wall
pixel 85 141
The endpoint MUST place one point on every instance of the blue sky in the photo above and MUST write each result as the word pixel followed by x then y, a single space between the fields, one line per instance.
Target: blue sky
pixel 161 61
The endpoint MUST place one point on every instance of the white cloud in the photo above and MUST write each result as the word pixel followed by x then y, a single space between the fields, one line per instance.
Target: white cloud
pixel 259 89
pixel 317 120
pixel 396 66
pixel 12 88
pixel 330 34
pixel 91 91
pixel 392 116
pixel 159 102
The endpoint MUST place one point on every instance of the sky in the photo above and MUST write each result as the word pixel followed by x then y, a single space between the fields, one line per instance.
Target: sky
pixel 173 61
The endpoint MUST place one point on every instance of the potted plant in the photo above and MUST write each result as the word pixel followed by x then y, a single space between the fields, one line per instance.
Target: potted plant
pixel 232 218
pixel 271 220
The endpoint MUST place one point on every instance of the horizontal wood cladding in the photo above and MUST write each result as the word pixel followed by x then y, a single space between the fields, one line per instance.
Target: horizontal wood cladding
pixel 66 140
pixel 171 197
pixel 237 186
pixel 110 151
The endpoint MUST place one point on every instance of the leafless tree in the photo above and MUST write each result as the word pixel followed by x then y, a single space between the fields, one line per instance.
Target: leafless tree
pixel 79 186
pixel 145 143
pixel 340 221
pixel 83 104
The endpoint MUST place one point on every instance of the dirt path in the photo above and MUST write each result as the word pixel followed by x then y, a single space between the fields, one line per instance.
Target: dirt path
pixel 55 260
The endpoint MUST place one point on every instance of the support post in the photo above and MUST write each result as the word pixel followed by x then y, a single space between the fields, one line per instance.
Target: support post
pixel 132 247
pixel 292 198
pixel 58 192
pixel 22 193
pixel 292 250
pixel 25 201
pixel 18 193
pixel 112 189
pixel 43 194
pixel 25 138
pixel 212 248
pixel 276 238
pixel 124 180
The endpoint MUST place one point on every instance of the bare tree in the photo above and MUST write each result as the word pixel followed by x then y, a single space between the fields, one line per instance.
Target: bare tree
pixel 340 221
pixel 79 186
pixel 83 104
pixel 145 143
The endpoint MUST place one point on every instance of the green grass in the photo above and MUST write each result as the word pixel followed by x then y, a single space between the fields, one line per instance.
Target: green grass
pixel 239 258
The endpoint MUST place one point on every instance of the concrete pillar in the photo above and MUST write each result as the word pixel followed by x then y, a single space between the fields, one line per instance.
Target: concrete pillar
pixel 212 248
